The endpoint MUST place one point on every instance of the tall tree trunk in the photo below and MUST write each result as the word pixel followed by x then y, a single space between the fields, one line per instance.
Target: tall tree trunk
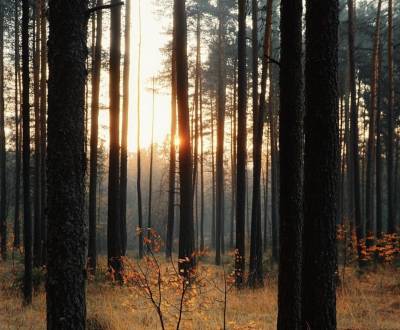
pixel 26 155
pixel 94 134
pixel 138 151
pixel 186 230
pixel 241 149
pixel 369 190
pixel 3 183
pixel 256 248
pixel 172 152
pixel 201 165
pixel 379 167
pixel 43 132
pixel 291 166
pixel 390 143
pixel 17 130
pixel 321 166
pixel 233 158
pixel 114 219
pixel 66 165
pixel 213 220
pixel 266 199
pixel 220 137
pixel 37 216
pixel 149 219
pixel 354 131
pixel 124 133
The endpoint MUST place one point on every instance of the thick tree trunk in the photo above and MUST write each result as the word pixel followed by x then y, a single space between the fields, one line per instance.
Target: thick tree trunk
pixel 26 150
pixel 66 165
pixel 114 217
pixel 241 149
pixel 213 215
pixel 3 183
pixel 321 166
pixel 291 166
pixel 124 133
pixel 172 153
pixel 43 132
pixel 186 230
pixel 379 167
pixel 94 134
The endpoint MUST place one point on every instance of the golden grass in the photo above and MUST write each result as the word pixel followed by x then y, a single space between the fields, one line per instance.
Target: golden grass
pixel 370 301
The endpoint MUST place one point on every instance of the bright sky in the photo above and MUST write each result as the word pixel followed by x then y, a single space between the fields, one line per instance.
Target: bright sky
pixel 153 38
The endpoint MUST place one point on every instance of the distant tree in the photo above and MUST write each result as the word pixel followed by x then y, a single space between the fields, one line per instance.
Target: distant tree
pixel 321 166
pixel 26 150
pixel 124 132
pixel 94 134
pixel 66 293
pixel 114 217
pixel 241 149
pixel 17 113
pixel 291 165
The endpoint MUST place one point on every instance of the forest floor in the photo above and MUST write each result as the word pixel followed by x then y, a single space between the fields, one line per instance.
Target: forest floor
pixel 367 301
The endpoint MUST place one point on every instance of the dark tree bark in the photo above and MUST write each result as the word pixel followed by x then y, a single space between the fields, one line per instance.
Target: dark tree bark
pixel 149 214
pixel 172 153
pixel 43 132
pixel 202 203
pixel 3 183
pixel 241 149
pixel 371 152
pixel 233 157
pixel 390 144
pixel 94 134
pixel 124 133
pixel 213 213
pixel 26 150
pixel 37 212
pixel 321 166
pixel 17 130
pixel 291 166
pixel 379 165
pixel 219 175
pixel 114 219
pixel 256 247
pixel 66 165
pixel 354 133
pixel 186 229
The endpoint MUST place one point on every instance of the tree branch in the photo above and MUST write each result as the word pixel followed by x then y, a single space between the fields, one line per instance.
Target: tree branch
pixel 109 6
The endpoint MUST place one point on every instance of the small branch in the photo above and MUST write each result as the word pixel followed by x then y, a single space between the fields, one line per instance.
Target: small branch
pixel 109 6
pixel 273 61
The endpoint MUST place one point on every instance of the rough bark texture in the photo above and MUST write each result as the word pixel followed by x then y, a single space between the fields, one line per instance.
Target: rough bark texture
pixel 291 166
pixel 241 149
pixel 94 134
pixel 3 183
pixel 186 229
pixel 321 166
pixel 66 165
pixel 43 127
pixel 26 155
pixel 124 133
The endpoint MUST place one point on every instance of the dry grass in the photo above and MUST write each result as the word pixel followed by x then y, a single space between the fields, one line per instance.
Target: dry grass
pixel 370 301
